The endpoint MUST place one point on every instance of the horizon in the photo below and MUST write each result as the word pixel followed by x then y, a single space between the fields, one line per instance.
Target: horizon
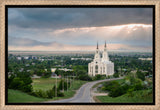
pixel 81 51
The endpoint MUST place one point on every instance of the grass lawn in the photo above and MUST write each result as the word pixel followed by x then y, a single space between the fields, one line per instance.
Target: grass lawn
pixel 141 96
pixel 15 96
pixel 44 83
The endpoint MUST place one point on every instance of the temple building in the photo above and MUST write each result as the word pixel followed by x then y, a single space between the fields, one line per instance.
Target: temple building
pixel 100 65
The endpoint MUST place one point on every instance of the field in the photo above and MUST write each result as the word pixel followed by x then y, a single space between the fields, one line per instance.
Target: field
pixel 137 98
pixel 15 96
pixel 44 83
pixel 48 83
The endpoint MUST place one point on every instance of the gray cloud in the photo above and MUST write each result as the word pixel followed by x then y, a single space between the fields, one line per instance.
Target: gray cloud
pixel 58 27
pixel 137 35
pixel 33 45
pixel 59 18
pixel 14 41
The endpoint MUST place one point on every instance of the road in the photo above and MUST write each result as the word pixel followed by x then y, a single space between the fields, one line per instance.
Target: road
pixel 83 95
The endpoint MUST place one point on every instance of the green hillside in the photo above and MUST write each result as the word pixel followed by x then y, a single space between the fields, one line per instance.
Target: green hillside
pixel 15 96
pixel 142 96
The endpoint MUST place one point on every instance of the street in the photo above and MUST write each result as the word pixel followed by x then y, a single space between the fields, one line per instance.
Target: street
pixel 83 95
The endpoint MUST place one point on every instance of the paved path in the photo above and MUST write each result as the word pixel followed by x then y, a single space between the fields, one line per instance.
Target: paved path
pixel 83 95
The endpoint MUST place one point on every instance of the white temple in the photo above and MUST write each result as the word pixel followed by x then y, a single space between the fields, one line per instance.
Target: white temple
pixel 100 65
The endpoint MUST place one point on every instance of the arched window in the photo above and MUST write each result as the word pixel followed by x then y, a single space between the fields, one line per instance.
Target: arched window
pixel 96 69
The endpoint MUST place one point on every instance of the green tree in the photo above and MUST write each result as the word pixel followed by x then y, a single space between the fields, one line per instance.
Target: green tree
pixel 140 75
pixel 62 84
pixel 116 75
pixel 84 77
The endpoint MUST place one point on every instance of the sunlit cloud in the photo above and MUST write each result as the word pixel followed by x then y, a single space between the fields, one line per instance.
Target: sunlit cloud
pixel 129 33
pixel 71 39
pixel 109 28
pixel 78 29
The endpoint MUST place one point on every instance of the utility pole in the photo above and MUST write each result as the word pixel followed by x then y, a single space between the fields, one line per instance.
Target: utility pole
pixel 70 82
pixel 73 79
pixel 63 83
pixel 67 83
pixel 56 88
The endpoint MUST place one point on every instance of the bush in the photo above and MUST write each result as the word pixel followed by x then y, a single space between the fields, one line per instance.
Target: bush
pixel 85 77
pixel 116 75
pixel 40 93
pixel 16 84
pixel 130 92
pixel 138 86
pixel 110 85
pixel 47 74
pixel 140 75
pixel 130 84
pixel 108 77
pixel 115 92
pixel 60 87
pixel 99 77
pixel 27 80
pixel 60 94
pixel 10 79
pixel 115 89
pixel 27 88
pixel 20 82
pixel 50 94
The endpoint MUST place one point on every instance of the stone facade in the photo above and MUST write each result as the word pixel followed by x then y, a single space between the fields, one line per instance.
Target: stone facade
pixel 100 65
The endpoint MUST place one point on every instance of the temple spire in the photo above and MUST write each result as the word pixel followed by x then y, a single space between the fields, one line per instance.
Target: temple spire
pixel 97 44
pixel 105 43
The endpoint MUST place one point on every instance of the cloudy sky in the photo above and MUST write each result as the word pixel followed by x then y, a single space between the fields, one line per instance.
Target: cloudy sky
pixel 79 29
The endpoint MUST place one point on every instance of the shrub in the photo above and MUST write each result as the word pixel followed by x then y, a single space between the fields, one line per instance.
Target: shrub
pixel 140 75
pixel 60 94
pixel 130 92
pixel 16 83
pixel 58 91
pixel 116 75
pixel 84 77
pixel 99 77
pixel 50 93
pixel 27 80
pixel 116 92
pixel 40 93
pixel 10 79
pixel 108 77
pixel 110 85
pixel 20 82
pixel 103 88
pixel 60 87
pixel 138 86
pixel 27 88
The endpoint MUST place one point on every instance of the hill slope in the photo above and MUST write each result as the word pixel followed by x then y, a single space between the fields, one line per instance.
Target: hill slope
pixel 15 96
pixel 141 96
